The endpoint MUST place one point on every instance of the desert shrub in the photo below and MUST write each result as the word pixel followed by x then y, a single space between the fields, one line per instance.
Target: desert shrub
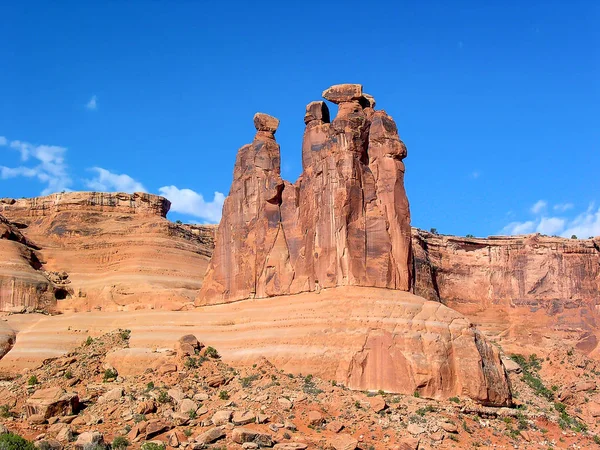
pixel 416 394
pixel 152 446
pixel 191 363
pixel 211 352
pixel 454 399
pixel 224 395
pixel 125 334
pixel 89 341
pixel 32 381
pixel 110 374
pixel 120 443
pixel 247 381
pixel 68 374
pixel 11 441
pixel 530 376
pixel 163 397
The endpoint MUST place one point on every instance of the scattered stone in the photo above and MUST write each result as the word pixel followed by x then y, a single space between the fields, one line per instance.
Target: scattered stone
pixel 112 395
pixel 343 442
pixel 415 429
pixel 222 417
pixel 315 418
pixel 155 427
pixel 449 427
pixel 377 403
pixel 50 402
pixel 335 426
pixel 89 439
pixel 241 435
pixel 291 446
pixel 243 417
pixel 210 436
pixel 285 403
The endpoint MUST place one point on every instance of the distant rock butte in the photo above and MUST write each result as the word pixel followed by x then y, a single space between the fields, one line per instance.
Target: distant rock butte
pixel 89 250
pixel 346 221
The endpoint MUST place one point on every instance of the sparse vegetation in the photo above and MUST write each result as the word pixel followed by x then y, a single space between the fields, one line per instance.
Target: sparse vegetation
pixel 573 236
pixel 247 381
pixel 152 446
pixel 454 399
pixel 211 352
pixel 89 341
pixel 530 376
pixel 163 397
pixel 125 334
pixel 120 443
pixel 11 441
pixel 191 363
pixel 68 374
pixel 32 381
pixel 433 231
pixel 110 374
pixel 416 394
pixel 224 395
pixel 5 411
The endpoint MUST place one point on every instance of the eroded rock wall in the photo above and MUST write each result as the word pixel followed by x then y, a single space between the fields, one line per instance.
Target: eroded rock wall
pixel 522 286
pixel 107 251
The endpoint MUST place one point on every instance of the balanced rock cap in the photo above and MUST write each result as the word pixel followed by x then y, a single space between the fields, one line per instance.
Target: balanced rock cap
pixel 317 111
pixel 340 93
pixel 265 122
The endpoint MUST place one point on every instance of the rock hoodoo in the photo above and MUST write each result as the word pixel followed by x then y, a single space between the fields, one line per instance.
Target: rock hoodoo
pixel 346 221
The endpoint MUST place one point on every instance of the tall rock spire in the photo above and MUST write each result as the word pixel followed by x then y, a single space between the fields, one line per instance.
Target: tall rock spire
pixel 346 221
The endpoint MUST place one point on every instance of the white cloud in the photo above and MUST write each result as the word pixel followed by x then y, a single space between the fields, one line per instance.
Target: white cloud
pixel 562 207
pixel 583 225
pixel 92 105
pixel 106 181
pixel 539 206
pixel 550 225
pixel 186 201
pixel 519 228
pixel 3 141
pixel 49 166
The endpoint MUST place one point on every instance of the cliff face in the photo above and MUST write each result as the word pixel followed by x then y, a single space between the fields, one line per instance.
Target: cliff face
pixel 107 251
pixel 520 285
pixel 346 221
pixel 23 285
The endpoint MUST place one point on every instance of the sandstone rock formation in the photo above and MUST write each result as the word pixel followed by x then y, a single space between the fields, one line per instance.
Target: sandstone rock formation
pixel 346 221
pixel 98 250
pixel 364 338
pixel 22 284
pixel 522 286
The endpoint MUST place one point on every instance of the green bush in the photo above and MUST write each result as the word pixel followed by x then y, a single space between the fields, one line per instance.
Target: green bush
pixel 11 441
pixel 32 381
pixel 89 341
pixel 120 443
pixel 163 397
pixel 211 352
pixel 5 411
pixel 224 395
pixel 530 368
pixel 152 446
pixel 454 399
pixel 110 374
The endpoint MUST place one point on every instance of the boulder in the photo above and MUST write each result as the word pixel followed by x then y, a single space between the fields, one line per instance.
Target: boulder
pixel 241 435
pixel 89 439
pixel 210 436
pixel 50 402
pixel 343 441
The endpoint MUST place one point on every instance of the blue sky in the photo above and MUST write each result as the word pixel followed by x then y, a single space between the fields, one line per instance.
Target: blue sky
pixel 497 102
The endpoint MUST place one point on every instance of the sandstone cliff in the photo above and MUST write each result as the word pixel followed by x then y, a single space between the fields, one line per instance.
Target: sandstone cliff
pixel 346 221
pixel 108 251
pixel 522 286
pixel 22 284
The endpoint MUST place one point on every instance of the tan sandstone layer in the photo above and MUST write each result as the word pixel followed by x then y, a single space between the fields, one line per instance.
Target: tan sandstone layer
pixel 110 251
pixel 364 338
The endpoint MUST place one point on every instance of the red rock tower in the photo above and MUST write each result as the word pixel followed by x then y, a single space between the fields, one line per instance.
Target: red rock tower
pixel 346 220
